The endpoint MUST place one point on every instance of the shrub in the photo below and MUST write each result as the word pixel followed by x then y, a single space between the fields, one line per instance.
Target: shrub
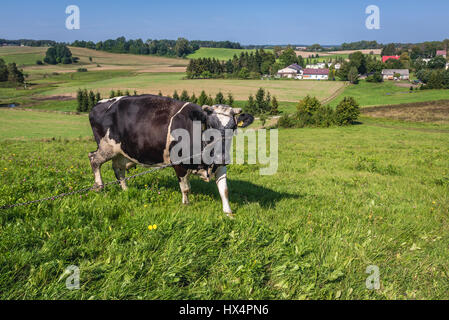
pixel 81 70
pixel 347 111
pixel 308 105
pixel 39 62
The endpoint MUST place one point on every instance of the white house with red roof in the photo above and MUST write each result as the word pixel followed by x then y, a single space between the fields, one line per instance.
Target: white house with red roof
pixel 315 74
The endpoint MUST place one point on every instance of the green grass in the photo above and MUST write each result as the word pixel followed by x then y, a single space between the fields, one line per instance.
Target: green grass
pixel 342 199
pixel 22 56
pixel 219 53
pixel 387 93
pixel 19 124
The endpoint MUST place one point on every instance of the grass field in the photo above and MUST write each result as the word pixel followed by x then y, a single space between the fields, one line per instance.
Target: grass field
pixel 219 53
pixel 388 93
pixel 342 199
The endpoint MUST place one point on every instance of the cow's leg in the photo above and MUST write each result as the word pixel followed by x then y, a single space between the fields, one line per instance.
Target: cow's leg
pixel 222 184
pixel 119 164
pixel 97 158
pixel 184 184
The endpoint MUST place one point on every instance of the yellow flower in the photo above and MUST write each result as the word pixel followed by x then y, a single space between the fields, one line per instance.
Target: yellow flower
pixel 110 228
pixel 145 206
pixel 150 227
pixel 433 202
pixel 154 226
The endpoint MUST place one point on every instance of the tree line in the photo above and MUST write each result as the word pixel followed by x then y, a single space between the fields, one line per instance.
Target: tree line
pixel 172 48
pixel 244 66
pixel 27 42
pixel 58 53
pixel 10 73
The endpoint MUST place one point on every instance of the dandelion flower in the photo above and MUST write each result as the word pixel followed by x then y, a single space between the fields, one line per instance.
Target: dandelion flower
pixel 154 226
pixel 150 227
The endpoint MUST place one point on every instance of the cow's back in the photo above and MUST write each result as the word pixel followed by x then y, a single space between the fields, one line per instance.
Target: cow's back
pixel 139 125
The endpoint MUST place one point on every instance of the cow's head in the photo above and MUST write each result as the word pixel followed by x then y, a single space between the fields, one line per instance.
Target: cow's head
pixel 221 117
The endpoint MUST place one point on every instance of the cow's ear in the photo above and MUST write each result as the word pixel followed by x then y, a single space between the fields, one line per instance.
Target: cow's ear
pixel 208 109
pixel 197 115
pixel 244 120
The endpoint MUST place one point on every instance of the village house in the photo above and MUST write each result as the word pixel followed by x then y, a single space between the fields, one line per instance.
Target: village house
pixel 293 71
pixel 320 65
pixel 385 58
pixel 392 74
pixel 315 74
pixel 442 53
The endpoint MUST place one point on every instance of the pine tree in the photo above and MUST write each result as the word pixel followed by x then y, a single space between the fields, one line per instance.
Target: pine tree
pixel 112 94
pixel 219 98
pixel 97 97
pixel 160 93
pixel 193 98
pixel 260 101
pixel 119 93
pixel 85 103
pixel 91 101
pixel 184 96
pixel 230 101
pixel 202 100
pixel 127 93
pixel 79 99
pixel 274 106
pixel 175 95
pixel 210 101
pixel 250 106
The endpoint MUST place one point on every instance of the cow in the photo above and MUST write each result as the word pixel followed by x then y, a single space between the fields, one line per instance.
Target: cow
pixel 137 130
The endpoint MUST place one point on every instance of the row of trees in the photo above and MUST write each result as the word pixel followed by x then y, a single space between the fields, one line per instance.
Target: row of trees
pixel 86 100
pixel 423 50
pixel 311 113
pixel 262 104
pixel 203 98
pixel 245 66
pixel 28 42
pixel 10 73
pixel 173 48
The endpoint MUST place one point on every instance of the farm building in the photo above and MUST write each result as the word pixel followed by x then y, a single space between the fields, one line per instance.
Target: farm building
pixel 389 74
pixel 315 74
pixel 385 58
pixel 442 53
pixel 320 65
pixel 293 71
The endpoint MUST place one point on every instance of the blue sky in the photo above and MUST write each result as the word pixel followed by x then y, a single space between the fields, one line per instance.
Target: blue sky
pixel 245 21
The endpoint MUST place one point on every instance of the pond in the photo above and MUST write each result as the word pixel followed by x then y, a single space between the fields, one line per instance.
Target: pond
pixel 9 105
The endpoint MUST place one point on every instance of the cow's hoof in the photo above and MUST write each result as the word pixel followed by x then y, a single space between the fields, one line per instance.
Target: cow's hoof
pixel 97 188
pixel 230 216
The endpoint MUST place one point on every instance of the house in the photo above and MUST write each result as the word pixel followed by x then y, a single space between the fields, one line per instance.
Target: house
pixel 315 74
pixel 291 72
pixel 389 74
pixel 385 58
pixel 441 53
pixel 320 65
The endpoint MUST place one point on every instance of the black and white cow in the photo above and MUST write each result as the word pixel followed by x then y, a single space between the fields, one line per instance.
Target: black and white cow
pixel 137 130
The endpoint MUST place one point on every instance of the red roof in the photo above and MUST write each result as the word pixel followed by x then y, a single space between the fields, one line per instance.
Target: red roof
pixel 385 58
pixel 441 52
pixel 316 71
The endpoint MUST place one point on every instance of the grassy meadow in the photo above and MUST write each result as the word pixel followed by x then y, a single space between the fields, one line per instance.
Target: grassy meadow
pixel 342 199
pixel 219 53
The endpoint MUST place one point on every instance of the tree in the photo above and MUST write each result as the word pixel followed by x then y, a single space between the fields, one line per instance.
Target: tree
pixel 175 95
pixel 219 98
pixel 182 47
pixel 358 60
pixel 3 71
pixel 353 75
pixel 308 105
pixel 202 99
pixel 274 106
pixel 288 57
pixel 439 62
pixel 14 74
pixel 184 96
pixel 230 101
pixel 91 101
pixel 79 100
pixel 389 50
pixel 250 106
pixel 112 94
pixel 347 111
pixel 244 73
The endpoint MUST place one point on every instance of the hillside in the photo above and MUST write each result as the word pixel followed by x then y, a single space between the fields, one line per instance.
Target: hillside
pixel 218 53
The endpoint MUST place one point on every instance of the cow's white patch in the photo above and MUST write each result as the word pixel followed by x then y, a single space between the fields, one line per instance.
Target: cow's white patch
pixel 110 99
pixel 220 176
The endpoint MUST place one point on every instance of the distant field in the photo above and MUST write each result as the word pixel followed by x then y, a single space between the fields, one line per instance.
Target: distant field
pixel 284 90
pixel 22 56
pixel 387 93
pixel 107 61
pixel 219 53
